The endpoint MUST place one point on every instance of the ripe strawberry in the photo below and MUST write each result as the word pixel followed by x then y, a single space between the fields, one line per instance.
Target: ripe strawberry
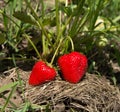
pixel 41 73
pixel 73 66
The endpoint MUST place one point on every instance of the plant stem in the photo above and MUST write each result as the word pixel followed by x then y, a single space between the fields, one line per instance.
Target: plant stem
pixel 57 17
pixel 56 51
pixel 71 41
pixel 39 23
pixel 28 38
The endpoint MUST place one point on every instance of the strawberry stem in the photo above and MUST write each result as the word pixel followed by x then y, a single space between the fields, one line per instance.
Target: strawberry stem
pixel 28 38
pixel 57 17
pixel 52 60
pixel 72 44
pixel 38 21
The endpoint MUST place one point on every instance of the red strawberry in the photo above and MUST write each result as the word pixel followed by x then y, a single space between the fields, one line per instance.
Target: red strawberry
pixel 41 73
pixel 73 66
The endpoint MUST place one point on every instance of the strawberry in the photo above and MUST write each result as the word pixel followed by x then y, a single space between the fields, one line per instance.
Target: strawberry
pixel 41 73
pixel 73 66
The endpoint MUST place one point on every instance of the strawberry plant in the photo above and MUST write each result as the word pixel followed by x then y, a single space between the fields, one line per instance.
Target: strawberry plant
pixel 69 33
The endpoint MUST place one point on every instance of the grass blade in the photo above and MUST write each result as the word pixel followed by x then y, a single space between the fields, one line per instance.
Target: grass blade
pixel 10 95
pixel 8 86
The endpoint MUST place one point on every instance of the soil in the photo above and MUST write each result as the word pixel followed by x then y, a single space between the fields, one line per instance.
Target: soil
pixel 92 94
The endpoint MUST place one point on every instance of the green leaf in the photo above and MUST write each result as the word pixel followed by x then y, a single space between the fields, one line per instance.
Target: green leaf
pixel 2 38
pixel 46 21
pixel 5 19
pixel 49 21
pixel 114 80
pixel 67 10
pixel 8 86
pixel 26 107
pixel 25 17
